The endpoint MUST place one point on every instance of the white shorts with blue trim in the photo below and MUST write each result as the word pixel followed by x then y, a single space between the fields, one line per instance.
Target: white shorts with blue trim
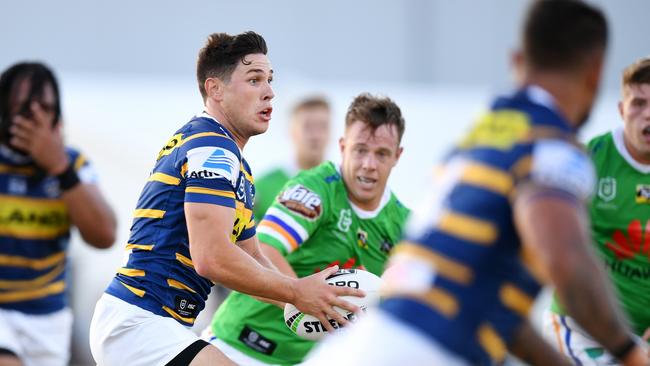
pixel 572 341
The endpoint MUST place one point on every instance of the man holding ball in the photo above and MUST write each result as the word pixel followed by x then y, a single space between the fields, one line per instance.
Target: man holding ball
pixel 330 215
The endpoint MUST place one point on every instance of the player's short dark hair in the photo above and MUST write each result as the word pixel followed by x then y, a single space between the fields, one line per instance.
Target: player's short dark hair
pixel 315 101
pixel 38 75
pixel 375 111
pixel 221 54
pixel 563 34
pixel 638 72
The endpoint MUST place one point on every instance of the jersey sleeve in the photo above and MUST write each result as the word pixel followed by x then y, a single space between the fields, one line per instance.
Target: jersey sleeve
pixel 296 213
pixel 561 166
pixel 211 170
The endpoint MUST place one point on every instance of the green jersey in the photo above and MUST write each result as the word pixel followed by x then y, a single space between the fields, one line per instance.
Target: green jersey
pixel 620 225
pixel 315 226
pixel 267 187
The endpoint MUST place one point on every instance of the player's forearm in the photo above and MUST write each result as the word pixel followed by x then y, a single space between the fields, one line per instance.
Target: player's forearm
pixel 90 213
pixel 587 297
pixel 239 271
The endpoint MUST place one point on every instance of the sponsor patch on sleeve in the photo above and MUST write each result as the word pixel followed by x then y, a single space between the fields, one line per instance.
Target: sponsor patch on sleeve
pixel 560 165
pixel 210 162
pixel 302 201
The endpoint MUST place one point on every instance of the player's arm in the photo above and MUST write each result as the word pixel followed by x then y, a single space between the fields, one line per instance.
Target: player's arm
pixel 530 347
pixel 87 208
pixel 216 258
pixel 90 213
pixel 267 257
pixel 554 226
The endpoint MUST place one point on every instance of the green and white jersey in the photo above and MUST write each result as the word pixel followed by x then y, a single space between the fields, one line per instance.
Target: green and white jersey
pixel 314 225
pixel 268 186
pixel 620 225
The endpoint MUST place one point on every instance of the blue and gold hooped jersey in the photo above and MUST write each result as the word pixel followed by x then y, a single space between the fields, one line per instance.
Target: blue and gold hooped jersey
pixel 461 276
pixel 200 163
pixel 34 234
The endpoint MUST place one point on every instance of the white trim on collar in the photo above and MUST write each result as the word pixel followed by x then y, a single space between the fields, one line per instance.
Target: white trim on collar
pixel 365 214
pixel 539 95
pixel 619 143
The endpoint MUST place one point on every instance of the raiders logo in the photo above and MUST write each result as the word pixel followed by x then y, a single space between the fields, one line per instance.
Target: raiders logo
pixel 301 201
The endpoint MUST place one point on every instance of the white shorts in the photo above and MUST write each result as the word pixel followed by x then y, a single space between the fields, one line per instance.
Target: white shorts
pixel 572 341
pixel 124 334
pixel 37 339
pixel 380 340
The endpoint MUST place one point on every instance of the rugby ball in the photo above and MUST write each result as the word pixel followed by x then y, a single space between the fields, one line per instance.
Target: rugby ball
pixel 308 327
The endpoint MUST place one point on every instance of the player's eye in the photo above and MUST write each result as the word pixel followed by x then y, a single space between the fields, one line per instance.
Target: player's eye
pixel 270 80
pixel 252 81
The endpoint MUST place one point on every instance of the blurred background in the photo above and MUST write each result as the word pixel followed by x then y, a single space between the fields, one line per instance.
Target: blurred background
pixel 127 73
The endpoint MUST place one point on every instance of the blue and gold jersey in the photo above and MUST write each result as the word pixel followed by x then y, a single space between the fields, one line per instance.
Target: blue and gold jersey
pixel 200 163
pixel 461 275
pixel 34 234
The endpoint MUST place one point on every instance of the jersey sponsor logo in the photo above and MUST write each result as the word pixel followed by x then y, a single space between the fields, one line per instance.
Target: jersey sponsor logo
pixel 627 245
pixel 33 219
pixel 629 271
pixel 210 162
pixel 345 220
pixel 362 239
pixel 218 160
pixel 607 188
pixel 302 201
pixel 560 165
pixel 642 193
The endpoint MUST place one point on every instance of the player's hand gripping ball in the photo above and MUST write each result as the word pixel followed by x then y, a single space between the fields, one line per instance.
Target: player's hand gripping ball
pixel 308 327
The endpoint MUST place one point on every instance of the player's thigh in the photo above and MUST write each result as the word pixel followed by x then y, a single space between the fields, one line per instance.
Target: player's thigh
pixel 210 355
pixel 9 358
pixel 123 334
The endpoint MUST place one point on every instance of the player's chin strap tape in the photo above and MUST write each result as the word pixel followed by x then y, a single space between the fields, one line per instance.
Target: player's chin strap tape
pixel 623 351
pixel 187 355
pixel 68 179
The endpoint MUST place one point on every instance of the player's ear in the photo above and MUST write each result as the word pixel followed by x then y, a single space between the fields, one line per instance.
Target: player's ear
pixel 517 64
pixel 620 108
pixel 398 153
pixel 214 88
pixel 341 145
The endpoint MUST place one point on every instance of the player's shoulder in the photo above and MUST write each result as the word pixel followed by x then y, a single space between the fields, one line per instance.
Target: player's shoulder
pixel 564 165
pixel 600 143
pixel 398 207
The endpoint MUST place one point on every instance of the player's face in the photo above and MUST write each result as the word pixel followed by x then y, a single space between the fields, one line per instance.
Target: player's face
pixel 635 111
pixel 20 105
pixel 247 96
pixel 310 130
pixel 368 158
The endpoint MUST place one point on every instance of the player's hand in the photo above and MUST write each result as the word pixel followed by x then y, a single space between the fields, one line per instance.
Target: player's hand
pixel 314 296
pixel 637 357
pixel 37 137
pixel 646 335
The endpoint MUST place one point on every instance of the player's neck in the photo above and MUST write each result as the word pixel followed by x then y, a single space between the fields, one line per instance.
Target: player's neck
pixel 567 97
pixel 222 118
pixel 638 156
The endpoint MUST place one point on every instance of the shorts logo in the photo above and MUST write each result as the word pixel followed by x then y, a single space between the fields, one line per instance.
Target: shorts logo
pixel 301 201
pixel 219 160
pixel 642 193
pixel 607 188
pixel 185 307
